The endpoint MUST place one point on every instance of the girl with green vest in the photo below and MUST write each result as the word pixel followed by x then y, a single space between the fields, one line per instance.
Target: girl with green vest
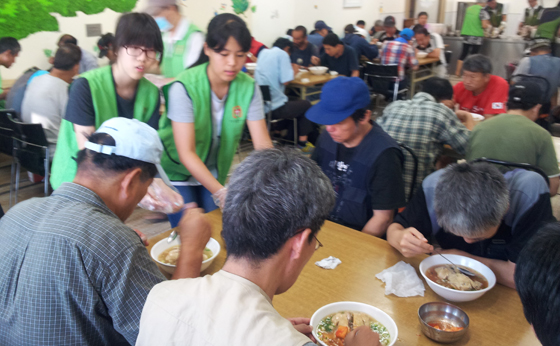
pixel 107 92
pixel 207 109
pixel 475 22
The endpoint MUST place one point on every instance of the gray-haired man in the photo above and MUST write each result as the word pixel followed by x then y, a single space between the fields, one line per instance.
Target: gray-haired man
pixel 475 211
pixel 277 201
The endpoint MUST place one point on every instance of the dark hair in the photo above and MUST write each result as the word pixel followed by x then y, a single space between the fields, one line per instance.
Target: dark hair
pixel 67 56
pixel 359 115
pixel 90 161
pixel 67 39
pixel 420 29
pixel 349 29
pixel 360 22
pixel 138 29
pixel 302 29
pixel 440 88
pixel 478 63
pixel 220 31
pixel 9 43
pixel 289 32
pixel 283 43
pixel 537 279
pixel 272 195
pixel 423 14
pixel 331 40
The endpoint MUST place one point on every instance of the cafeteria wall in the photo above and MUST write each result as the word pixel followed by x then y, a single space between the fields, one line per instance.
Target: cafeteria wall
pixel 199 11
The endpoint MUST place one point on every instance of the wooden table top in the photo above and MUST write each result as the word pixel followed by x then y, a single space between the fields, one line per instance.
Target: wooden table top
pixel 495 319
pixel 313 79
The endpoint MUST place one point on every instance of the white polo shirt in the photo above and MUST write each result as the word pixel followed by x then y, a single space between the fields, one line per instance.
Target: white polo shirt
pixel 216 310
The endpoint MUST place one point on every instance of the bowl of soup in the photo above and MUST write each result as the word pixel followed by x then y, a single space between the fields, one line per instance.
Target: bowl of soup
pixel 451 284
pixel 332 322
pixel 166 254
pixel 251 66
pixel 443 322
pixel 318 70
pixel 421 55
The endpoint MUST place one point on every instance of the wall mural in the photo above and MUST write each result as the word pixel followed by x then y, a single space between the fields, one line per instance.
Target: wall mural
pixel 21 18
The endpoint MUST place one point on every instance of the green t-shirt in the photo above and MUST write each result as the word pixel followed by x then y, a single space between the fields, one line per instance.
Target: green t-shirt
pixel 514 138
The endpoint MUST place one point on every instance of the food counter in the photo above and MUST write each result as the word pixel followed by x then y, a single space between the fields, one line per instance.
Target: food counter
pixel 500 51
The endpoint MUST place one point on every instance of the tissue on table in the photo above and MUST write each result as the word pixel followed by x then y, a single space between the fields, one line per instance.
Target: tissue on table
pixel 402 281
pixel 329 262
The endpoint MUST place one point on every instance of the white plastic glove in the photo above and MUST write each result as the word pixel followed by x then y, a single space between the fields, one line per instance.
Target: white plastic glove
pixel 219 197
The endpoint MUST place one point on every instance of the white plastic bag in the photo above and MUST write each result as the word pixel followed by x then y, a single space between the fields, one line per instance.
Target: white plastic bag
pixel 161 198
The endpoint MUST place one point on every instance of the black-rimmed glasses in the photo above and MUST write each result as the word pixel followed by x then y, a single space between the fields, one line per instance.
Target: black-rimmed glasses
pixel 136 51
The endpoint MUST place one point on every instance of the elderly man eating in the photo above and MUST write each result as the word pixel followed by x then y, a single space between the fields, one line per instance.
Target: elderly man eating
pixel 475 211
pixel 277 201
pixel 72 273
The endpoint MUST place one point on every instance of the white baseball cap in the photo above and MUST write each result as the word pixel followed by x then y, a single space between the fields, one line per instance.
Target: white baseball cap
pixel 133 139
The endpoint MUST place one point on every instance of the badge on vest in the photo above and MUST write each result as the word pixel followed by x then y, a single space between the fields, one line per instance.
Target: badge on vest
pixel 237 112
pixel 497 105
pixel 179 49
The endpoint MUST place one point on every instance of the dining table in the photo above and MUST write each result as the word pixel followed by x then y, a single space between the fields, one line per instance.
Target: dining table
pixel 496 318
pixel 307 84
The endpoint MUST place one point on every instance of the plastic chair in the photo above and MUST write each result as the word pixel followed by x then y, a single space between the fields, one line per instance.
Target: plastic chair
pixel 414 171
pixel 383 79
pixel 31 151
pixel 525 166
pixel 267 100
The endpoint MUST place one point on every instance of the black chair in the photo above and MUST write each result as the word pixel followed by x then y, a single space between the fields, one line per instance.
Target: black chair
pixel 31 151
pixel 448 54
pixel 383 80
pixel 525 166
pixel 7 131
pixel 267 99
pixel 414 171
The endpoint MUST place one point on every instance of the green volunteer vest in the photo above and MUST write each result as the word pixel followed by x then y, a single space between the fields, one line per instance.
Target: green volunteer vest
pixel 496 17
pixel 534 19
pixel 172 63
pixel 548 29
pixel 472 26
pixel 195 81
pixel 104 99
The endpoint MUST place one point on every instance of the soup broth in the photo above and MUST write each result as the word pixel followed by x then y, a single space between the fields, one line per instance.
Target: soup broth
pixel 171 255
pixel 333 329
pixel 446 276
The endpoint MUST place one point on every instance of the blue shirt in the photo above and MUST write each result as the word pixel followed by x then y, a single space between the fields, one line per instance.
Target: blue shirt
pixel 302 57
pixel 361 46
pixel 344 64
pixel 72 273
pixel 274 68
pixel 316 40
pixel 544 65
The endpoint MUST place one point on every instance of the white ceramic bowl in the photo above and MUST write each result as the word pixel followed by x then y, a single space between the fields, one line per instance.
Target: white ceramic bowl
pixel 333 73
pixel 318 70
pixel 374 312
pixel 251 66
pixel 421 55
pixel 455 295
pixel 163 245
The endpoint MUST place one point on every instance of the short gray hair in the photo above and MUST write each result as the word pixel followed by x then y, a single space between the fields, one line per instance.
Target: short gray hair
pixel 378 22
pixel 478 63
pixel 470 199
pixel 272 195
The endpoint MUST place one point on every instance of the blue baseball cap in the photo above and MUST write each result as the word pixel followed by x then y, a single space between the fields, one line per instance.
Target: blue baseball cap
pixel 340 98
pixel 407 34
pixel 320 25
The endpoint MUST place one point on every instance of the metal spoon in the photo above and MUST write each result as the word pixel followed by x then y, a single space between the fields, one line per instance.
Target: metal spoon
pixel 461 270
pixel 172 236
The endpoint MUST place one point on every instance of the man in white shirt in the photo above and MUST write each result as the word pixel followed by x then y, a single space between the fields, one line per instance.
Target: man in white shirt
pixel 183 41
pixel 432 44
pixel 46 96
pixel 277 201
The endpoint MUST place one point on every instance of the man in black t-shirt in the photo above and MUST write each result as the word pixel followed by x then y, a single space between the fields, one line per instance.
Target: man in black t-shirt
pixel 474 210
pixel 303 49
pixel 338 57
pixel 362 161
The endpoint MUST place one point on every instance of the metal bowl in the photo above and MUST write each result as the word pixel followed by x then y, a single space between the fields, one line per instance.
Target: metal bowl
pixel 438 311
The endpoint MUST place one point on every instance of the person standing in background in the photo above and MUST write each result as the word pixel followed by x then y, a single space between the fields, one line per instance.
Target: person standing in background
pixel 497 16
pixel 532 14
pixel 182 39
pixel 476 21
pixel 9 50
pixel 105 45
